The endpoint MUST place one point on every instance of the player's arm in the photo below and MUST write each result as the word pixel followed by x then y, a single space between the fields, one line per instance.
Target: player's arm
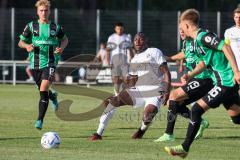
pixel 97 58
pixel 25 38
pixel 109 48
pixel 108 56
pixel 226 37
pixel 63 45
pixel 178 56
pixel 24 45
pixel 231 58
pixel 63 40
pixel 166 80
pixel 197 70
pixel 212 41
pixel 181 66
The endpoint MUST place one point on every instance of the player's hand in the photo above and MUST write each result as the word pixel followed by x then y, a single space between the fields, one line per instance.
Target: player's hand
pixel 58 50
pixel 29 47
pixel 184 79
pixel 237 77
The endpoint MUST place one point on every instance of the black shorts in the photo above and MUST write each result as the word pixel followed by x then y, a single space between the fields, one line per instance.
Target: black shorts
pixel 197 88
pixel 43 74
pixel 222 94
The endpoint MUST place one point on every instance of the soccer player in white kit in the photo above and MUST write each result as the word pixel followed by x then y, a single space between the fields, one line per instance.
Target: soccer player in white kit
pixel 148 84
pixel 232 36
pixel 119 54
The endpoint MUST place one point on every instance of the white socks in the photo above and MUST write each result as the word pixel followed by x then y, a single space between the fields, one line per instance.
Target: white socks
pixel 104 119
pixel 144 127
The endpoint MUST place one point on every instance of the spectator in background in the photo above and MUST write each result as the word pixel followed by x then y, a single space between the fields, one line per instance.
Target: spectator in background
pixel 102 55
pixel 119 45
pixel 28 72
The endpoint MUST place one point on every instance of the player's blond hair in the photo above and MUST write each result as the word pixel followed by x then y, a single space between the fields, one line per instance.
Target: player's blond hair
pixel 42 3
pixel 237 10
pixel 191 15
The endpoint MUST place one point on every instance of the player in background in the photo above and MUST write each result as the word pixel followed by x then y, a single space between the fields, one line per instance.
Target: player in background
pixel 118 53
pixel 232 36
pixel 118 48
pixel 44 41
pixel 28 72
pixel 148 84
pixel 218 57
pixel 188 93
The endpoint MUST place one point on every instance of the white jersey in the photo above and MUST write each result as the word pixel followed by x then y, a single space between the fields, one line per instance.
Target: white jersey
pixel 119 44
pixel 146 66
pixel 232 37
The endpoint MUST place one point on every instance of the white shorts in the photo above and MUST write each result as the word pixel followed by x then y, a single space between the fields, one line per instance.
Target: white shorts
pixel 145 95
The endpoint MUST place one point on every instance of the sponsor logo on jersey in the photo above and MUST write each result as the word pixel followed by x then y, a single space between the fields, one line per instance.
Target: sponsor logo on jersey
pixel 208 39
pixel 42 42
pixel 52 33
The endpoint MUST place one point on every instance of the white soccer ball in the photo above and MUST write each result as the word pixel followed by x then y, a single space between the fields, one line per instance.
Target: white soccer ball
pixel 50 140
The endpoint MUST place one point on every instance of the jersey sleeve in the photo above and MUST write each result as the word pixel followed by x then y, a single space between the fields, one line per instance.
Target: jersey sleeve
pixel 60 33
pixel 159 58
pixel 226 37
pixel 26 35
pixel 110 44
pixel 210 40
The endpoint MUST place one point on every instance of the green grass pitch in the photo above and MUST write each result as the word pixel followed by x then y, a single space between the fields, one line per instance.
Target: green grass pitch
pixel 19 140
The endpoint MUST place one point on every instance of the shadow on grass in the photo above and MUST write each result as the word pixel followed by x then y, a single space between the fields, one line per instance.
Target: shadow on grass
pixel 18 138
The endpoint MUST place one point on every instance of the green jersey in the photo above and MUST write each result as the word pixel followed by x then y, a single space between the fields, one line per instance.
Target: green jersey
pixel 210 46
pixel 44 37
pixel 192 58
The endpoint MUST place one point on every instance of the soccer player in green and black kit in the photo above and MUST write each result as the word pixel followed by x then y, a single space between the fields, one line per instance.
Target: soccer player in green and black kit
pixel 218 57
pixel 45 41
pixel 190 92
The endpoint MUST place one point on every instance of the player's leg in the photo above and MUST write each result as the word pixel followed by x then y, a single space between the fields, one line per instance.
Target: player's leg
pixel 196 112
pixel 211 100
pixel 53 97
pixel 234 113
pixel 149 113
pixel 232 105
pixel 29 74
pixel 46 80
pixel 43 103
pixel 179 98
pixel 110 104
pixel 103 122
pixel 175 106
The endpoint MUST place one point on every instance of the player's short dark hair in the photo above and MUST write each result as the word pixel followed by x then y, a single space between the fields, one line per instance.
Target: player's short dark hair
pixel 237 10
pixel 120 24
pixel 191 15
pixel 141 34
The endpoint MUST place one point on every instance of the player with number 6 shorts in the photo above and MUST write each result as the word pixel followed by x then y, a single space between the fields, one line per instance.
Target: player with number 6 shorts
pixel 218 57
